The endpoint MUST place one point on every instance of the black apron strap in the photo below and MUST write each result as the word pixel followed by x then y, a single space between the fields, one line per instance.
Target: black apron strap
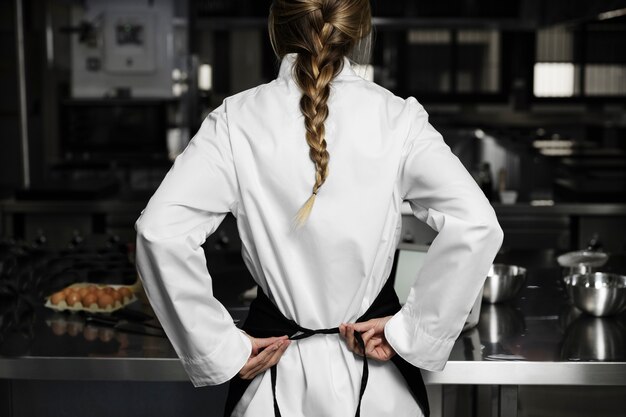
pixel 273 375
pixel 266 320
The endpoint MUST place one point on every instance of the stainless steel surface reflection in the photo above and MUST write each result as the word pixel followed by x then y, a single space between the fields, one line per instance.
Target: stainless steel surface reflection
pixel 595 339
pixel 498 322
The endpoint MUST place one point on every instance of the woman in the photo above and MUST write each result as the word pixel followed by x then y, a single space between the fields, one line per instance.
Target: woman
pixel 341 154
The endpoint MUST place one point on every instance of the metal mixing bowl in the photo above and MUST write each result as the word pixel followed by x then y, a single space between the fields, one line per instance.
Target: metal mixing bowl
pixel 599 293
pixel 503 282
pixel 569 281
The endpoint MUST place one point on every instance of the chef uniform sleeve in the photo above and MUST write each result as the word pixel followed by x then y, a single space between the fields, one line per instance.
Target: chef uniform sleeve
pixel 443 194
pixel 190 203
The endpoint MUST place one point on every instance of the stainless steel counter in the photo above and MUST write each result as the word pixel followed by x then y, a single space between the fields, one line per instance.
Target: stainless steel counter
pixel 536 339
pixel 572 209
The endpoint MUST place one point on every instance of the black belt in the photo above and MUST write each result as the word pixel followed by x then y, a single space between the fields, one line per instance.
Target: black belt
pixel 266 320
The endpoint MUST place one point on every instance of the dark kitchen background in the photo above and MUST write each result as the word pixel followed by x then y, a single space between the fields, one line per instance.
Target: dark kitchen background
pixel 97 101
pixel 99 96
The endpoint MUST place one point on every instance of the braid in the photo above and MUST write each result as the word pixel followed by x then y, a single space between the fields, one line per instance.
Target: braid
pixel 321 32
pixel 314 73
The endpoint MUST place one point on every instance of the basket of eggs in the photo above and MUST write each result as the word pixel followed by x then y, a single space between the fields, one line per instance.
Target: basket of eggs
pixel 95 298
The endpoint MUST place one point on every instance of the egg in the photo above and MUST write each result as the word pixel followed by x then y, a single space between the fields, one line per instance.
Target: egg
pixel 108 290
pixel 105 300
pixel 82 291
pixel 117 296
pixel 89 299
pixel 125 292
pixel 72 298
pixel 91 288
pixel 57 297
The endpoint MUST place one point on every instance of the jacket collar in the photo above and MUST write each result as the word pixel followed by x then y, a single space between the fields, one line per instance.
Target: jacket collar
pixel 288 60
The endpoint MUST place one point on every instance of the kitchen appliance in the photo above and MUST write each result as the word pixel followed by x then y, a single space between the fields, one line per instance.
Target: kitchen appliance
pixel 124 48
pixel 503 282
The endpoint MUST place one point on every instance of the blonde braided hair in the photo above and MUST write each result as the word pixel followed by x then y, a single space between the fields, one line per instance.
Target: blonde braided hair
pixel 321 32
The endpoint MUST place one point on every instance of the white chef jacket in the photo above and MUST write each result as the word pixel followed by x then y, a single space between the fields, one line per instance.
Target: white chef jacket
pixel 250 158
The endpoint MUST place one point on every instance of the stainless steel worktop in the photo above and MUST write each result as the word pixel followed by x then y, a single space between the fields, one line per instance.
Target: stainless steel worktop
pixel 572 209
pixel 537 339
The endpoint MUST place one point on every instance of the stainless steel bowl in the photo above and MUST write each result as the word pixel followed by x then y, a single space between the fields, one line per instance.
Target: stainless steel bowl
pixel 599 293
pixel 503 282
pixel 569 281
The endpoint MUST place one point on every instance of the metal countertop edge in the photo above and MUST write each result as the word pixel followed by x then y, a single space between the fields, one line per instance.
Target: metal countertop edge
pixel 456 372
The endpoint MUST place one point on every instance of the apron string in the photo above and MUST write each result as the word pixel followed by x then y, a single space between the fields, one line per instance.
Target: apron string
pixel 305 333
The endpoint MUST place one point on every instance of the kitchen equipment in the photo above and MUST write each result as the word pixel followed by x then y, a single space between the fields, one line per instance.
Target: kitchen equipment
pixel 125 48
pixel 568 280
pixel 581 262
pixel 508 196
pixel 599 293
pixel 503 282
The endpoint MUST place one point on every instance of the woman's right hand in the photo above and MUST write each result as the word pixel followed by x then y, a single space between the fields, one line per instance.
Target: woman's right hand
pixel 373 334
pixel 266 352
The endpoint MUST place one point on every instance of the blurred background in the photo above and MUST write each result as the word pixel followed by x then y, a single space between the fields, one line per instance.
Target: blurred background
pixel 98 97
